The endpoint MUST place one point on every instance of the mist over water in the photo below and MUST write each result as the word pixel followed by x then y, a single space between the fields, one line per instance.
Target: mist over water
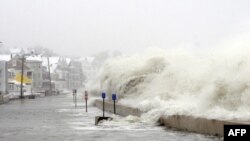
pixel 212 84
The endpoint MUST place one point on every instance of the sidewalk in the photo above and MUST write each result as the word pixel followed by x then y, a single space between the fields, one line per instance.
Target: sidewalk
pixel 4 99
pixel 14 96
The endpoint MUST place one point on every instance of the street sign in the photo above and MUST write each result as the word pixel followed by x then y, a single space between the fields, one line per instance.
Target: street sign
pixel 103 95
pixel 113 96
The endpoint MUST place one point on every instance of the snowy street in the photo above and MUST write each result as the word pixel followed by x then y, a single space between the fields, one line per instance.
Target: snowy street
pixel 56 118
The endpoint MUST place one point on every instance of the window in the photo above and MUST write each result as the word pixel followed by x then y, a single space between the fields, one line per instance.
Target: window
pixel 14 63
pixel 11 74
pixel 29 74
pixel 11 86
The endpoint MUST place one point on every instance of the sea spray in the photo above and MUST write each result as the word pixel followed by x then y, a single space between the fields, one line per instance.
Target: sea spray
pixel 168 83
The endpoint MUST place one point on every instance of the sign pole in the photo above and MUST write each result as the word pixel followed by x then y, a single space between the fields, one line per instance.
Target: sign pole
pixel 103 105
pixel 86 100
pixel 114 98
pixel 75 97
pixel 76 100
pixel 86 105
pixel 114 107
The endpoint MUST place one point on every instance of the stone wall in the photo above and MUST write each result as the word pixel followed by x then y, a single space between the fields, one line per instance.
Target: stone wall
pixel 182 122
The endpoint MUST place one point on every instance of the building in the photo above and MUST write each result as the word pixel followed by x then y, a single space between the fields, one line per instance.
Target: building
pixel 61 74
pixel 89 70
pixel 53 62
pixel 14 76
pixel 76 77
pixel 35 65
pixel 4 77
pixel 46 81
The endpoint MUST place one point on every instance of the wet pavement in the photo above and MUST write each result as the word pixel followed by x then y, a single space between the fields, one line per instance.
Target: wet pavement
pixel 55 118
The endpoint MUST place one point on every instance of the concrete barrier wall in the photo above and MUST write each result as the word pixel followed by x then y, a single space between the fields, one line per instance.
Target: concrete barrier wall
pixel 120 109
pixel 193 124
pixel 187 123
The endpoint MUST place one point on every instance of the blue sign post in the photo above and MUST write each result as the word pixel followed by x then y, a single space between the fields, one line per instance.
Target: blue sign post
pixel 103 97
pixel 114 98
pixel 98 118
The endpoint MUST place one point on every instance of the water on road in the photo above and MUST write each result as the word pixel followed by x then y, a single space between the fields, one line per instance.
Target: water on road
pixel 55 118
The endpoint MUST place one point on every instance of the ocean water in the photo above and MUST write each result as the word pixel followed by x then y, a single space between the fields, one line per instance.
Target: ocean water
pixel 212 84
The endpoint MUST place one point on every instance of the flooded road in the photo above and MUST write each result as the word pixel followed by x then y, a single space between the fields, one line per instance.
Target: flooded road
pixel 55 118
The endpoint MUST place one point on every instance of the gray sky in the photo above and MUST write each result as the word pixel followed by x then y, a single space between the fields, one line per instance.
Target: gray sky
pixel 84 27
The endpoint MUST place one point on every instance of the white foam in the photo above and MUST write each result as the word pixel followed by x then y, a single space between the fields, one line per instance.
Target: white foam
pixel 213 85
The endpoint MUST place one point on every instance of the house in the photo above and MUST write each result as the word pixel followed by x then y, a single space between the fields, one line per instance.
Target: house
pixel 46 84
pixel 65 73
pixel 61 74
pixel 89 70
pixel 14 75
pixel 35 65
pixel 4 77
pixel 53 61
pixel 76 77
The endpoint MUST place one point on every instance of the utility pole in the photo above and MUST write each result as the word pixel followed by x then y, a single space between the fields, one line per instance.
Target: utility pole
pixel 21 90
pixel 50 85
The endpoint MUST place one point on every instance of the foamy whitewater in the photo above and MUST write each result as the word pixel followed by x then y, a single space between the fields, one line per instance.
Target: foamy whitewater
pixel 158 82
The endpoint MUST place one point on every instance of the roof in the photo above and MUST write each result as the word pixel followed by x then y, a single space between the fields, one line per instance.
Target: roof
pixel 34 58
pixel 68 60
pixel 15 50
pixel 53 63
pixel 5 57
pixel 87 59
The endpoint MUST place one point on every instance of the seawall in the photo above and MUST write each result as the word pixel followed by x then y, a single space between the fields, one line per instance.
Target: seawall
pixel 120 109
pixel 181 122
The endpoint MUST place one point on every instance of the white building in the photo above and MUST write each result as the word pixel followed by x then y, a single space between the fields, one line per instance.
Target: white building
pixel 15 70
pixel 3 77
pixel 53 62
pixel 61 74
pixel 89 70
pixel 76 76
pixel 35 64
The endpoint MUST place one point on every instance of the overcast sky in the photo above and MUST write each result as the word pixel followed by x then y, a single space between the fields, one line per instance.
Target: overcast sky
pixel 84 27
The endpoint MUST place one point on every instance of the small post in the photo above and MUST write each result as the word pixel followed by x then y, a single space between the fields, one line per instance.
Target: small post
pixel 75 98
pixel 114 98
pixel 86 105
pixel 50 83
pixel 22 71
pixel 103 97
pixel 86 100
